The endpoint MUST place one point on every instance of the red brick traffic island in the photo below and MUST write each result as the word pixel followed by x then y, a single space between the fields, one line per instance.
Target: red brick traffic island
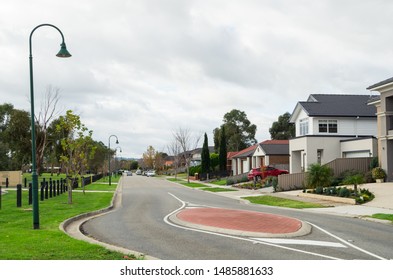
pixel 240 220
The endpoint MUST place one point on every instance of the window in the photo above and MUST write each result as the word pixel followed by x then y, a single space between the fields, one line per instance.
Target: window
pixel 327 126
pixel 303 127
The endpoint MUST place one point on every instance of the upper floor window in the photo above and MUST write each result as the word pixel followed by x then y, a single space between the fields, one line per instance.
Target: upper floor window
pixel 303 127
pixel 327 126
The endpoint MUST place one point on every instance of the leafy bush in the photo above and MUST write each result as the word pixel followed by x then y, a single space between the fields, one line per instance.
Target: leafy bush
pixel 378 173
pixel 344 192
pixel 374 163
pixel 195 169
pixel 319 190
pixel 338 180
pixel 319 176
pixel 232 180
pixel 355 180
pixel 331 191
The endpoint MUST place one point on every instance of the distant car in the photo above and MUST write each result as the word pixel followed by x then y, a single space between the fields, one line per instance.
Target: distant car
pixel 268 171
pixel 129 173
pixel 138 172
pixel 151 173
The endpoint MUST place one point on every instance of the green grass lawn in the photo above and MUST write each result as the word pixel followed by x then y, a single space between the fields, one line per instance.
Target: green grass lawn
pixel 222 182
pixel 281 202
pixel 381 216
pixel 185 183
pixel 175 180
pixel 213 189
pixel 19 241
pixel 194 185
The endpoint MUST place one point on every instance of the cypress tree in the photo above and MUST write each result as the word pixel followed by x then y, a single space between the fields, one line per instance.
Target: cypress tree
pixel 205 156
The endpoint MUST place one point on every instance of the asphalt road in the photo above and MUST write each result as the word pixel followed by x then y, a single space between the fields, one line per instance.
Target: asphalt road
pixel 141 224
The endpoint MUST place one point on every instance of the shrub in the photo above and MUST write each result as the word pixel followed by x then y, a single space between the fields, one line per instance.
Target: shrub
pixel 319 190
pixel 230 181
pixel 244 179
pixel 319 176
pixel 344 192
pixel 195 169
pixel 378 173
pixel 338 180
pixel 355 180
pixel 368 177
pixel 331 191
pixel 275 183
pixel 374 163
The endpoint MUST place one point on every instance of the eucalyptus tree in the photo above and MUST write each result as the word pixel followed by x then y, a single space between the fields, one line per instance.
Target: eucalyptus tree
pixel 239 131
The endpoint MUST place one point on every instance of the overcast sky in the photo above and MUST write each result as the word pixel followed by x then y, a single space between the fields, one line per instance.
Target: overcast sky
pixel 141 69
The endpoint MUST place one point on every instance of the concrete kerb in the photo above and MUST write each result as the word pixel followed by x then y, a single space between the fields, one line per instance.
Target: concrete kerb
pixel 73 226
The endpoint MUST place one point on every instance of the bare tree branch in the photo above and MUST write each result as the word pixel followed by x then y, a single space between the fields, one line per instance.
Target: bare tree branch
pixel 187 142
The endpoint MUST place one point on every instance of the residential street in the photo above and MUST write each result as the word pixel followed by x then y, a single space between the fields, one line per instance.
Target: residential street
pixel 142 223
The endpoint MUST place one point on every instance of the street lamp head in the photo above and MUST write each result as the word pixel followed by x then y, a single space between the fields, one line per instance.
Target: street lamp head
pixel 117 141
pixel 63 51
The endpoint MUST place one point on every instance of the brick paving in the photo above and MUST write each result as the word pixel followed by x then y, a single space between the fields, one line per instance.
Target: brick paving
pixel 240 220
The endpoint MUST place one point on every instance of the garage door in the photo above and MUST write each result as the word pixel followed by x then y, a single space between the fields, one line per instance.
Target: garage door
pixel 356 154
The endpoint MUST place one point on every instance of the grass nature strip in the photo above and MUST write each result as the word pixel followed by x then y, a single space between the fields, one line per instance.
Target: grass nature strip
pixel 382 216
pixel 281 202
pixel 19 241
pixel 214 189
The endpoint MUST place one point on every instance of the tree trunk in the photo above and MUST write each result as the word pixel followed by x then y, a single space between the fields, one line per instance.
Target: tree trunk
pixel 70 184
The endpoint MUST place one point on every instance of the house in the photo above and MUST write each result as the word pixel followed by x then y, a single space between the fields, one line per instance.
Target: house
pixel 229 162
pixel 330 126
pixel 384 107
pixel 269 152
pixel 196 155
pixel 242 160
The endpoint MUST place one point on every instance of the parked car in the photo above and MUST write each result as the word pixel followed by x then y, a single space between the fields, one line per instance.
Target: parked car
pixel 129 173
pixel 138 172
pixel 151 173
pixel 267 171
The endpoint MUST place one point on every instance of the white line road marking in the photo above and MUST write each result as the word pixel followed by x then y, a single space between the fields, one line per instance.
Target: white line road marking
pixel 301 242
pixel 166 220
pixel 347 243
pixel 275 242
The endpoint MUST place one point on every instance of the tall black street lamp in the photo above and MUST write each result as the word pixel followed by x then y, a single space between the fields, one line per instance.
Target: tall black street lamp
pixel 109 163
pixel 62 53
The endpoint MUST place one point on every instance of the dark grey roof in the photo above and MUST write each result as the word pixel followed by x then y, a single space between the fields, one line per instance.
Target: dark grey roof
pixel 199 150
pixel 339 105
pixel 275 149
pixel 384 82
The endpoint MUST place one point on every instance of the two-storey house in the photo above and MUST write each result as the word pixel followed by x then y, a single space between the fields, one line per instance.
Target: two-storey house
pixel 330 126
pixel 384 106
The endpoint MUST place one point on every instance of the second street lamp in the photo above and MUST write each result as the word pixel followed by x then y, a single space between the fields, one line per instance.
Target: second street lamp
pixel 62 53
pixel 109 156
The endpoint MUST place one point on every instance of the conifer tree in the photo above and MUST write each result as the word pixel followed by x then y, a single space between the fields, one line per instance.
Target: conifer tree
pixel 205 156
